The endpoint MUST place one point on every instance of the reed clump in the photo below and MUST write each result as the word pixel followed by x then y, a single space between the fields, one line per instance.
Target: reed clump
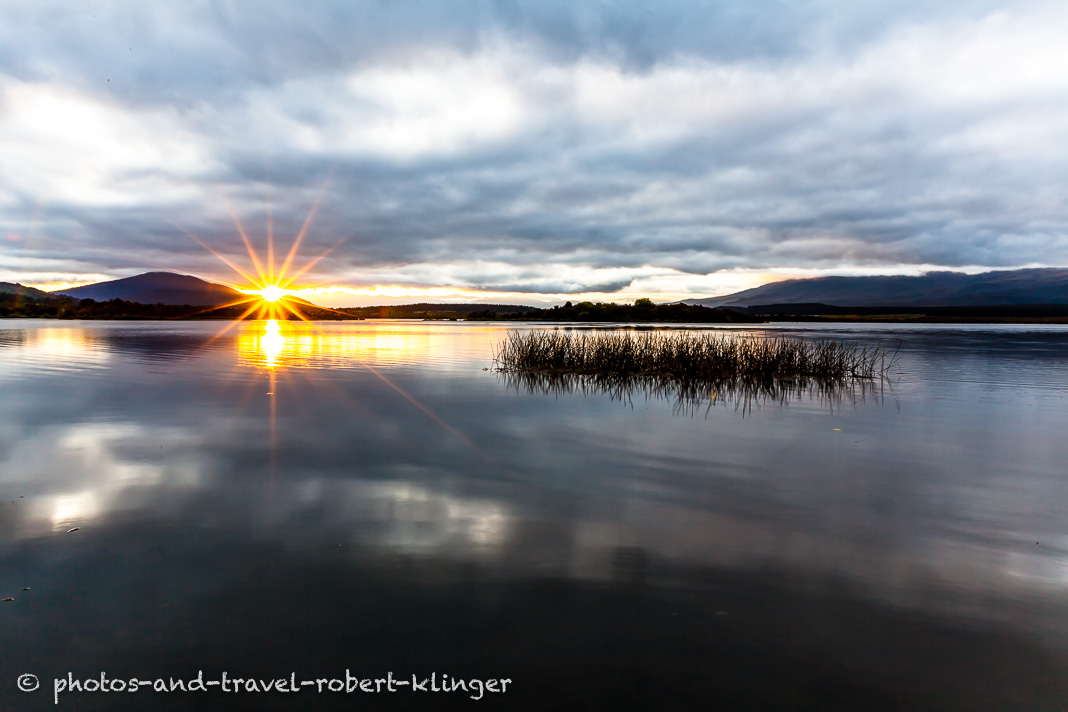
pixel 690 358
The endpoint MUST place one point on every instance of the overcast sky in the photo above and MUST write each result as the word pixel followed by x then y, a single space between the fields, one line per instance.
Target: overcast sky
pixel 533 151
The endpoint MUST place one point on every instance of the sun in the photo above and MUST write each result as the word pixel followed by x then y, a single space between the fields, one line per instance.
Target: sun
pixel 272 293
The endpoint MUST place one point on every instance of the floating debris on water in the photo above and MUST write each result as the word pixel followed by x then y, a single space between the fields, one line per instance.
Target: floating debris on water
pixel 72 530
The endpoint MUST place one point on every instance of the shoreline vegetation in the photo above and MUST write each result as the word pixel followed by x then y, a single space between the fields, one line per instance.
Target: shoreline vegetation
pixel 21 307
pixel 26 303
pixel 980 314
pixel 642 310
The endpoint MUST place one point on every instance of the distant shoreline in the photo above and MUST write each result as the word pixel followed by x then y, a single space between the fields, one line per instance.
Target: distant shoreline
pixel 860 319
pixel 642 311
pixel 549 322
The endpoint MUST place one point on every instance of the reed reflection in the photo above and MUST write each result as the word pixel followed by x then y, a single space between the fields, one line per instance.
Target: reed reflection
pixel 692 397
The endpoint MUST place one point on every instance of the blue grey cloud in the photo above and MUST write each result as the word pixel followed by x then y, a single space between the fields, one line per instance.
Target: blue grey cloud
pixel 523 146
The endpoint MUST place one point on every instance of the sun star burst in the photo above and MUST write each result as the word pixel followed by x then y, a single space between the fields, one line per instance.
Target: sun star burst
pixel 269 293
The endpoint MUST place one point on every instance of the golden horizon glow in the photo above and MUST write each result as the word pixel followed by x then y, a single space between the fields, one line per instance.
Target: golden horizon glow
pixel 56 286
pixel 272 293
pixel 268 290
pixel 659 289
pixel 334 294
pixel 730 282
pixel 395 291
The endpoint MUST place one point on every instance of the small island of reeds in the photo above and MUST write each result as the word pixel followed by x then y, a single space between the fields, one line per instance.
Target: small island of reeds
pixel 690 357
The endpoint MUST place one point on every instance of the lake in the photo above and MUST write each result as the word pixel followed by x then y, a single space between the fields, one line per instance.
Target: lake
pixel 294 501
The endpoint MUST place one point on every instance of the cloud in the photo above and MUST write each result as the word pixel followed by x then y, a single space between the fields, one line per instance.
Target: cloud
pixel 537 147
pixel 84 151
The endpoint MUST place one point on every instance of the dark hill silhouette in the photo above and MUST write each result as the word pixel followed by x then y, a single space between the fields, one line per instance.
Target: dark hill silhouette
pixel 21 290
pixel 999 288
pixel 157 288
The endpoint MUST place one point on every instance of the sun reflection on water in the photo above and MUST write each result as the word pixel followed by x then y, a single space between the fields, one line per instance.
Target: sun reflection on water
pixel 272 343
pixel 279 343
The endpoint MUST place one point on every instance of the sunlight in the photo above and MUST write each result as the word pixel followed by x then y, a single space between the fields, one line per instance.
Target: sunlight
pixel 272 293
pixel 268 290
pixel 55 345
pixel 271 343
pixel 337 347
pixel 75 507
pixel 269 298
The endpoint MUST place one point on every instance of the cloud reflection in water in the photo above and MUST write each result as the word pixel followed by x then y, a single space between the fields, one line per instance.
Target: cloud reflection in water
pixel 164 464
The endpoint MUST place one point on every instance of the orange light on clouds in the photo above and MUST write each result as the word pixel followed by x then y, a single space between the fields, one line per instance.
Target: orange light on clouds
pixel 665 289
pixel 55 286
pixel 399 290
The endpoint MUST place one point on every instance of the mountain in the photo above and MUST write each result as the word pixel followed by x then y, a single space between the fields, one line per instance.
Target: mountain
pixel 20 290
pixel 157 288
pixel 1005 287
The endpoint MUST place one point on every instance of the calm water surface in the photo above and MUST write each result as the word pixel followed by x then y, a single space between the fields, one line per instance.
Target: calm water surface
pixel 372 496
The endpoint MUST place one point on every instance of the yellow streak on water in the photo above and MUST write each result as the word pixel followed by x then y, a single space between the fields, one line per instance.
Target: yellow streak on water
pixel 278 344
